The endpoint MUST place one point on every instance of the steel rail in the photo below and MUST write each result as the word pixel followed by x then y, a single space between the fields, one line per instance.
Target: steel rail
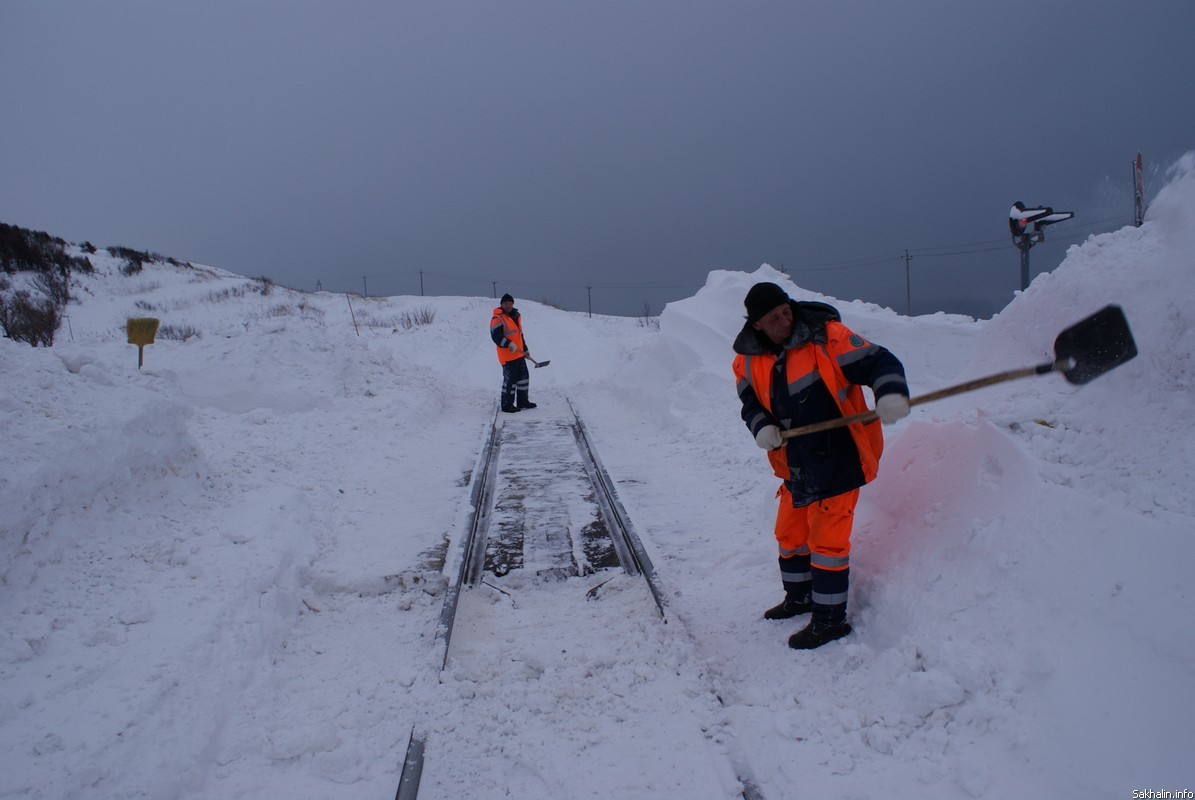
pixel 472 556
pixel 474 541
pixel 631 553
pixel 618 522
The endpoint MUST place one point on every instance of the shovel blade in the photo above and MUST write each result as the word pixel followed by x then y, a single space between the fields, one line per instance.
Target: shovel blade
pixel 539 364
pixel 1095 345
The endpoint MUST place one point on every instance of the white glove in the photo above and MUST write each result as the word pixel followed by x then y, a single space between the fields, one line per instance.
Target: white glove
pixel 512 347
pixel 892 407
pixel 768 438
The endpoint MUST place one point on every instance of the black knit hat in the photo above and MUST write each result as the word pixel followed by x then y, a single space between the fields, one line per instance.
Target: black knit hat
pixel 762 298
pixel 506 297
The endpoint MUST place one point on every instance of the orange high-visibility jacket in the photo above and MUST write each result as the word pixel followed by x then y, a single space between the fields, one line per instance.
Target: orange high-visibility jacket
pixel 828 353
pixel 504 329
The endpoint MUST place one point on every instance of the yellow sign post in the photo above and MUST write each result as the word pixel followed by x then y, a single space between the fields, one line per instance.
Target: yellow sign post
pixel 142 331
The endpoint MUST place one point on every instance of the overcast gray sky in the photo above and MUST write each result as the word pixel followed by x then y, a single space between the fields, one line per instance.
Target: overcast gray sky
pixel 630 146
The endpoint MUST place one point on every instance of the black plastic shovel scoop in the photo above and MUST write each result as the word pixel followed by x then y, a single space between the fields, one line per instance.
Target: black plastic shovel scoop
pixel 1095 345
pixel 1082 352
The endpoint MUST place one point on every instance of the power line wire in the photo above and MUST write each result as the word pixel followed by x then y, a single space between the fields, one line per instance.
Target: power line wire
pixel 892 257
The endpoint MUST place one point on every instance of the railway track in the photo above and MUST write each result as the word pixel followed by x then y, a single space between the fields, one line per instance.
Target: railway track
pixel 546 535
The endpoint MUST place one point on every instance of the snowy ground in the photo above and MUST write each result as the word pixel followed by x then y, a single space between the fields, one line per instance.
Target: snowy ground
pixel 220 575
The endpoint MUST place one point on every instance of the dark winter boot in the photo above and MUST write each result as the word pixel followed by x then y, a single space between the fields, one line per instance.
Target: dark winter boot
pixel 815 634
pixel 789 608
pixel 523 400
pixel 829 596
pixel 511 409
pixel 797 580
pixel 527 404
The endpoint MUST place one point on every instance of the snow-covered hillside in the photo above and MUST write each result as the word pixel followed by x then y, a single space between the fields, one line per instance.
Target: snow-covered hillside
pixel 220 574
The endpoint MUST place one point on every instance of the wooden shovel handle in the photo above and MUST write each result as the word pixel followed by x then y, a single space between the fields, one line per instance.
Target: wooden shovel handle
pixel 969 386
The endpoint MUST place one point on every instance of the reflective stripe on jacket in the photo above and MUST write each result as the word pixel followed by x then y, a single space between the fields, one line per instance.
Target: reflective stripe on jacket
pixel 504 329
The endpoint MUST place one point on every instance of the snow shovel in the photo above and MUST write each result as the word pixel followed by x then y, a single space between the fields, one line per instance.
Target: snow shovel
pixel 1082 352
pixel 537 364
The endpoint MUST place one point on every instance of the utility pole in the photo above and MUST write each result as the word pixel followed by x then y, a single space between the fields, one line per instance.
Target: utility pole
pixel 421 283
pixel 494 287
pixel 365 284
pixel 1138 192
pixel 589 293
pixel 908 286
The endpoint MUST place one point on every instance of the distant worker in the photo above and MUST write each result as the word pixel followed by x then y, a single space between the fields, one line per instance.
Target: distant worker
pixel 506 329
pixel 797 364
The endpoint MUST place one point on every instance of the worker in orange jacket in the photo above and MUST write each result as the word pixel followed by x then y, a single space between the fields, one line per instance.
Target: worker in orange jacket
pixel 797 364
pixel 506 329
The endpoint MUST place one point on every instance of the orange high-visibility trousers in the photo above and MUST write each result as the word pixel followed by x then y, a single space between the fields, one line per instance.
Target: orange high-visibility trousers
pixel 822 529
